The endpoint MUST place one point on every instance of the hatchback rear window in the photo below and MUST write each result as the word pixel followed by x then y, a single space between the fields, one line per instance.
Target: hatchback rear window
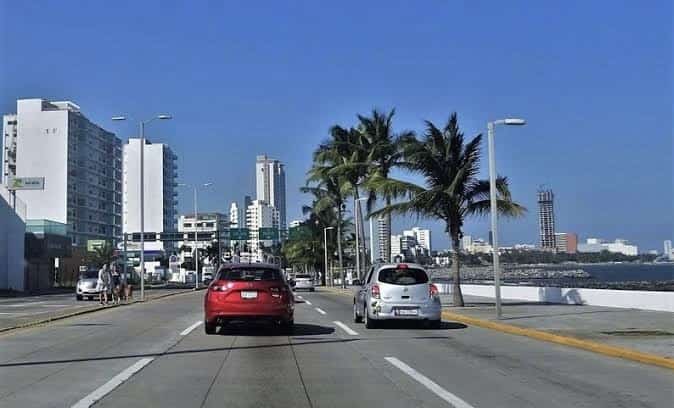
pixel 403 276
pixel 250 274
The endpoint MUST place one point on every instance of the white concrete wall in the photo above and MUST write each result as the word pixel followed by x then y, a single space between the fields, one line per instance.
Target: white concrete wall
pixel 42 151
pixel 632 299
pixel 12 235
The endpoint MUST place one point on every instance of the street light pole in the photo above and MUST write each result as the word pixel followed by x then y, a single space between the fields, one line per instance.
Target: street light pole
pixel 196 236
pixel 142 196
pixel 196 243
pixel 142 212
pixel 493 204
pixel 325 248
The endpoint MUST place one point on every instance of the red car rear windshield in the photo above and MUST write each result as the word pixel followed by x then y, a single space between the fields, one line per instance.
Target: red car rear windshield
pixel 403 276
pixel 250 274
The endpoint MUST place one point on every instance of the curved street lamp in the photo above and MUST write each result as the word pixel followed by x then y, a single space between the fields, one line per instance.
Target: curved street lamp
pixel 492 199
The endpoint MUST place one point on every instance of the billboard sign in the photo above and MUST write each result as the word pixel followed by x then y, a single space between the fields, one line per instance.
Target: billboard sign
pixel 26 183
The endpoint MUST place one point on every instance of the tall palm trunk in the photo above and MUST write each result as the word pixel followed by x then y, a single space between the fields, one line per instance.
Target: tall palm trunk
pixel 457 296
pixel 361 230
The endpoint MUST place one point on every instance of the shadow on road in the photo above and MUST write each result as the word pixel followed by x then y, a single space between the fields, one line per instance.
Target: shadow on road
pixel 297 342
pixel 256 329
pixel 389 325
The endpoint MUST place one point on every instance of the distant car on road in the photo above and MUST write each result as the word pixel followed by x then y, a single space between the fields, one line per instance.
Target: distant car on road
pixel 87 285
pixel 304 282
pixel 206 277
pixel 248 292
pixel 397 292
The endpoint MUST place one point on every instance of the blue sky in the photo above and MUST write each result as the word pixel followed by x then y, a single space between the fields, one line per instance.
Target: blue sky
pixel 245 78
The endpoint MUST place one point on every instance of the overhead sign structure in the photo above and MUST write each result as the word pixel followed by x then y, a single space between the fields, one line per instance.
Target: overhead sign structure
pixel 26 183
pixel 268 234
pixel 239 234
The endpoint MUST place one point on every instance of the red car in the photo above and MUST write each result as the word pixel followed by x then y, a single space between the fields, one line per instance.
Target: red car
pixel 248 292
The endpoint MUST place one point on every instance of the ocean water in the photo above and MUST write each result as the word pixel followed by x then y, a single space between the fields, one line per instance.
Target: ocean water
pixel 630 272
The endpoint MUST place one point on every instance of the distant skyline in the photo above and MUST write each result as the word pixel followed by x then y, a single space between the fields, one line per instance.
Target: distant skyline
pixel 245 79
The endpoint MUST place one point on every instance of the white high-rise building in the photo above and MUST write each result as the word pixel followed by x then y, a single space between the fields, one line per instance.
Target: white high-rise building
pixel 259 215
pixel 396 246
pixel 80 162
pixel 467 243
pixel 668 250
pixel 383 237
pixel 270 179
pixel 234 215
pixel 423 236
pixel 160 195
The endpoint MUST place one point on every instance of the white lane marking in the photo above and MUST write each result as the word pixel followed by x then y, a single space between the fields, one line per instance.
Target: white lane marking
pixel 115 382
pixel 346 328
pixel 307 302
pixel 189 329
pixel 319 310
pixel 23 304
pixel 452 399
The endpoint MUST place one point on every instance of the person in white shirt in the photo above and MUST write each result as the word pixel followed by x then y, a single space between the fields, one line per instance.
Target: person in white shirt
pixel 104 281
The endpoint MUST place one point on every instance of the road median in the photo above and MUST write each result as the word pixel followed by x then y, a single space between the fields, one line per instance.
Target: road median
pixel 543 335
pixel 68 313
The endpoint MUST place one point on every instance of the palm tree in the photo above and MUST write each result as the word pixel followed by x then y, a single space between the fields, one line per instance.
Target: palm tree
pixel 345 153
pixel 452 191
pixel 384 152
pixel 329 195
pixel 101 255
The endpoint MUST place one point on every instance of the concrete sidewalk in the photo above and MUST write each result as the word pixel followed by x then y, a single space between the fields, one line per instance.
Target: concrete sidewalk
pixel 641 330
pixel 31 310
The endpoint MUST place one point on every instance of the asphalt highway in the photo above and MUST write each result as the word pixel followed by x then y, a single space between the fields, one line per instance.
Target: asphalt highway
pixel 156 354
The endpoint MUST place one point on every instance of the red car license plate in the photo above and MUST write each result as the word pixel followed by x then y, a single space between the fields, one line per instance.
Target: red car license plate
pixel 248 294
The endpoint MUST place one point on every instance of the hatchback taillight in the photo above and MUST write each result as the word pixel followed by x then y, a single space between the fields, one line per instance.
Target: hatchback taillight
pixel 433 290
pixel 218 288
pixel 375 291
pixel 276 292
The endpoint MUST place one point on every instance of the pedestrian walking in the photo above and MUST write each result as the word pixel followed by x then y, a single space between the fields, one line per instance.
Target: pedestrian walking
pixel 104 281
pixel 116 285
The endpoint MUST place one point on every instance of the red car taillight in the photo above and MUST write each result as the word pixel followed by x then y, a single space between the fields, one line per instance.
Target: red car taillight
pixel 375 291
pixel 433 290
pixel 218 288
pixel 277 292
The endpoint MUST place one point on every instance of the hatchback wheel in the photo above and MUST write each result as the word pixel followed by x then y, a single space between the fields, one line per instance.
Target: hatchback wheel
pixel 209 328
pixel 369 323
pixel 78 297
pixel 356 317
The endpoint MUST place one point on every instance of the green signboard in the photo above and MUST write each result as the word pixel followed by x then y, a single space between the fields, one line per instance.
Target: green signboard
pixel 267 234
pixel 92 244
pixel 299 233
pixel 239 234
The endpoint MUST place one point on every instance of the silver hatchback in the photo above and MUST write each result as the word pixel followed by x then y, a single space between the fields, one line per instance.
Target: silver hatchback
pixel 397 292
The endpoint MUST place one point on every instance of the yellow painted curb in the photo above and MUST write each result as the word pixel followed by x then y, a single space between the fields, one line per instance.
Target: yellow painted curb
pixel 612 351
pixel 588 345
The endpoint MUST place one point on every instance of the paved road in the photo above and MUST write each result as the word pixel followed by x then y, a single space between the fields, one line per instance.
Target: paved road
pixel 328 361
